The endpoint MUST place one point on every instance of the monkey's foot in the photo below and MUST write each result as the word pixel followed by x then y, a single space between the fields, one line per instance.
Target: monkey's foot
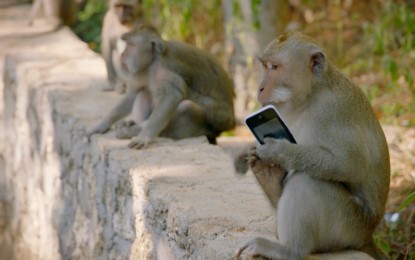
pixel 255 249
pixel 120 88
pixel 127 132
pixel 125 123
pixel 108 87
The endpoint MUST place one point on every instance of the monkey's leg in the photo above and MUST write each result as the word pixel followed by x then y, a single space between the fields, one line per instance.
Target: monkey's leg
pixel 142 106
pixel 141 110
pixel 268 176
pixel 188 121
pixel 108 49
pixel 35 10
pixel 318 216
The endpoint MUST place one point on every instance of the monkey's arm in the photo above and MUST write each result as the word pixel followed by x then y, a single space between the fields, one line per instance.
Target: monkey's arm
pixel 170 94
pixel 108 45
pixel 318 161
pixel 37 5
pixel 119 111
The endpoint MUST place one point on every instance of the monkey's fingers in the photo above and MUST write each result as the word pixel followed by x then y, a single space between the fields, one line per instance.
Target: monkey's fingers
pixel 138 143
pixel 239 252
pixel 272 150
pixel 252 151
pixel 241 164
pixel 270 140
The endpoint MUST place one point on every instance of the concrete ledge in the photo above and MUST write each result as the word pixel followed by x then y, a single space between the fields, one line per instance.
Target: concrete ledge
pixel 64 197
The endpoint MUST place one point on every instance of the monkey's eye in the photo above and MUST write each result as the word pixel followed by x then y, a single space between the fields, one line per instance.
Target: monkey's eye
pixel 270 66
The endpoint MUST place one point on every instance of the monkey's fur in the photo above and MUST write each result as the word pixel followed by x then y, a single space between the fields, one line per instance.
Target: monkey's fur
pixel 121 17
pixel 335 193
pixel 176 90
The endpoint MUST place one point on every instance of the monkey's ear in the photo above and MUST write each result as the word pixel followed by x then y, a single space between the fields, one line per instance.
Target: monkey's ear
pixel 158 46
pixel 317 62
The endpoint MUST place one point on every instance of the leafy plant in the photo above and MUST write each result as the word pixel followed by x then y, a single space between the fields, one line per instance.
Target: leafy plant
pixel 392 41
pixel 89 21
pixel 395 238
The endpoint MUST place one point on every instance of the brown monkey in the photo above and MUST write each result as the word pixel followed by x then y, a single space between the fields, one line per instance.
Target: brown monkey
pixel 120 18
pixel 175 90
pixel 334 194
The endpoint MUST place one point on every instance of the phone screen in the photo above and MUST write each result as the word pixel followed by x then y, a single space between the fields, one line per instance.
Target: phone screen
pixel 267 123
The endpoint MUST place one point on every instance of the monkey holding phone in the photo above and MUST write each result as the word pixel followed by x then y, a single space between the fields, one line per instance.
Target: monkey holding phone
pixel 335 196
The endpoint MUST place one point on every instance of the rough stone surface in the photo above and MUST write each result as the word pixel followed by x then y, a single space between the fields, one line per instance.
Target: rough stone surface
pixel 64 197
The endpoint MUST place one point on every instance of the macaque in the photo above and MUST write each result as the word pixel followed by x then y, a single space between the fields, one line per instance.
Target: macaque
pixel 120 18
pixel 174 90
pixel 58 11
pixel 329 190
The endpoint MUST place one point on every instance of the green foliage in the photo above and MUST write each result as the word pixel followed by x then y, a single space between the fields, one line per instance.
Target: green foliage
pixel 195 22
pixel 255 7
pixel 392 41
pixel 394 238
pixel 88 27
pixel 255 4
pixel 407 201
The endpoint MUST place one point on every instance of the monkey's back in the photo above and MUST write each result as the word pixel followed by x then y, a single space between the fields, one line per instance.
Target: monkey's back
pixel 208 83
pixel 351 105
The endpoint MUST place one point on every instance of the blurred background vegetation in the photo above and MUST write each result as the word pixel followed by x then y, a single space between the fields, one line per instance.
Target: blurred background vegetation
pixel 372 42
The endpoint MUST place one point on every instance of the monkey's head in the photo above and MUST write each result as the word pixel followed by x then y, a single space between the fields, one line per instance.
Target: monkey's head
pixel 144 45
pixel 293 64
pixel 126 10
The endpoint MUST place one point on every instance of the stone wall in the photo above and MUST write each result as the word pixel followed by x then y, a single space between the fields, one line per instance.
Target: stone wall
pixel 65 197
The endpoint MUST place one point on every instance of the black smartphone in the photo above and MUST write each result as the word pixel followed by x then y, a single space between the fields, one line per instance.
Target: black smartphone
pixel 266 122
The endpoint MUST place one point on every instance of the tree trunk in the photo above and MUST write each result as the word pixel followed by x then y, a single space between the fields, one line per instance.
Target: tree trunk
pixel 243 43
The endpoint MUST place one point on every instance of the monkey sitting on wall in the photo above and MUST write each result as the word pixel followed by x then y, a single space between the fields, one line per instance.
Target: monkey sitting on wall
pixel 334 194
pixel 174 90
pixel 122 16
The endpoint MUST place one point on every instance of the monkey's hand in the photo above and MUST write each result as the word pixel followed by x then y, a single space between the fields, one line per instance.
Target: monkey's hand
pixel 120 87
pixel 139 142
pixel 256 248
pixel 240 163
pixel 101 128
pixel 123 124
pixel 275 151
